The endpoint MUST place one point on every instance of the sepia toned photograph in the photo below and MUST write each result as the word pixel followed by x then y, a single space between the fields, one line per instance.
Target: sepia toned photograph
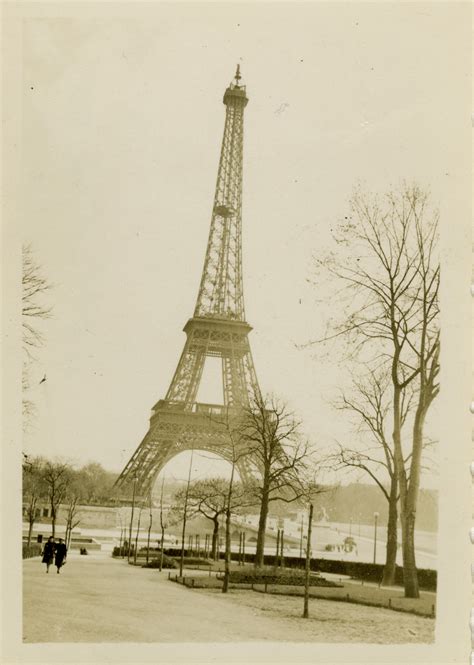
pixel 237 370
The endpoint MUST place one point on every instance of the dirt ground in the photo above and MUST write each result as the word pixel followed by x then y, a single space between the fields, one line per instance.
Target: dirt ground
pixel 99 599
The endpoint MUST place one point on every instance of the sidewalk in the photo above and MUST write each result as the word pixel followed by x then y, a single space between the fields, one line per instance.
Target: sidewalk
pixel 100 599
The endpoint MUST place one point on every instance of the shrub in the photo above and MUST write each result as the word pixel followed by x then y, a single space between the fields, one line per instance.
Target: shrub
pixel 286 577
pixel 168 562
pixel 32 550
pixel 195 561
pixel 122 551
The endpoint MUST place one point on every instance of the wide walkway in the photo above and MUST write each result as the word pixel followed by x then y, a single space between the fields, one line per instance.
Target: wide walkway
pixel 100 599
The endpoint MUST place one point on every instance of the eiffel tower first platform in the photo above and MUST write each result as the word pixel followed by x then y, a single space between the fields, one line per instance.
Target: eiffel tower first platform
pixel 218 328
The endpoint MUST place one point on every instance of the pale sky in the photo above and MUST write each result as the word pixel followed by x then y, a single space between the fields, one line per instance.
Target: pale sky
pixel 122 124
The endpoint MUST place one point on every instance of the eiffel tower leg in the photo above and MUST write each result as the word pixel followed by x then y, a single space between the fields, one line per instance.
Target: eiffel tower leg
pixel 186 379
pixel 251 376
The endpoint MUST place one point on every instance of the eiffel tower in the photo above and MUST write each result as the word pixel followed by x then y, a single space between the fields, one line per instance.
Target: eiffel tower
pixel 217 329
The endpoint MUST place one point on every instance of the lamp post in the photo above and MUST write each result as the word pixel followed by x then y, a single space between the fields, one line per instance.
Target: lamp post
pixel 376 516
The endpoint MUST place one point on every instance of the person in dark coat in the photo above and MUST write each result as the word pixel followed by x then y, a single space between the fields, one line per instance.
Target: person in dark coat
pixel 60 554
pixel 48 553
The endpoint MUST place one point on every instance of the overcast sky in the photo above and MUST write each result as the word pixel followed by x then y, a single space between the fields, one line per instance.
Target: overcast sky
pixel 122 124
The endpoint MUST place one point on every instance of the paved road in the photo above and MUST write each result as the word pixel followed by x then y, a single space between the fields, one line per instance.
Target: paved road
pixel 100 599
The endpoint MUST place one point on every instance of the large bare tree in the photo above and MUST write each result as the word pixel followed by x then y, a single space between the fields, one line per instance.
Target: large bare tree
pixel 387 264
pixel 371 449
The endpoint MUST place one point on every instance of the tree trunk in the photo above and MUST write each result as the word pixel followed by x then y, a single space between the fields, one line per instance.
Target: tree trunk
pixel 131 520
pixel 388 578
pixel 262 526
pixel 410 578
pixel 53 521
pixel 215 538
pixel 185 515
pixel 31 517
pixel 148 537
pixel 410 574
pixel 308 564
pixel 183 536
pixel 225 586
pixel 136 538
pixel 162 547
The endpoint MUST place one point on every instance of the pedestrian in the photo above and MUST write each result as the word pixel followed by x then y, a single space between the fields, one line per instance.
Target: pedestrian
pixel 60 554
pixel 48 552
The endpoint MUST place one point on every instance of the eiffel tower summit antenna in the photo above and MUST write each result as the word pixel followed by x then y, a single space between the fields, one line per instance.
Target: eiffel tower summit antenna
pixel 217 329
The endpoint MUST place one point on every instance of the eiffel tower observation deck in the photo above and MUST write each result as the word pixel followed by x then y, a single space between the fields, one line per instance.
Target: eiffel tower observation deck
pixel 217 329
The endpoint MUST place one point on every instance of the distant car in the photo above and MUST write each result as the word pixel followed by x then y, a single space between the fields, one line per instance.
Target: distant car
pixel 349 544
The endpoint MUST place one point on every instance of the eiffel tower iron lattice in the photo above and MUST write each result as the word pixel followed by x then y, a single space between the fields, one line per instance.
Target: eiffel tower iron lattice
pixel 217 329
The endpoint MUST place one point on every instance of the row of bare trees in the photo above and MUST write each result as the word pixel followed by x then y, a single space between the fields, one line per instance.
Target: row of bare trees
pixel 57 483
pixel 384 266
pixel 50 483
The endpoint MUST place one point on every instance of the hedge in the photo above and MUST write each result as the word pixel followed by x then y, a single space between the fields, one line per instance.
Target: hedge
pixel 32 550
pixel 369 572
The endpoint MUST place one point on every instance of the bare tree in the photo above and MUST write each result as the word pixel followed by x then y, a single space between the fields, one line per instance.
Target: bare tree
pixel 207 497
pixel 73 518
pixel 73 496
pixel 270 434
pixel 33 489
pixel 388 265
pixel 370 403
pixel 56 477
pixel 34 286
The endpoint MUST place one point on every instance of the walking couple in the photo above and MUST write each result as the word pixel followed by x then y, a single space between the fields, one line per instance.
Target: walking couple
pixel 54 552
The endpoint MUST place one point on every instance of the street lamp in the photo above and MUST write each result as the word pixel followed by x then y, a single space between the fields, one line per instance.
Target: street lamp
pixel 376 516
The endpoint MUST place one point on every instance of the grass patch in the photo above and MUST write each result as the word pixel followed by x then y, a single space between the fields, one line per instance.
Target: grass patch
pixel 362 595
